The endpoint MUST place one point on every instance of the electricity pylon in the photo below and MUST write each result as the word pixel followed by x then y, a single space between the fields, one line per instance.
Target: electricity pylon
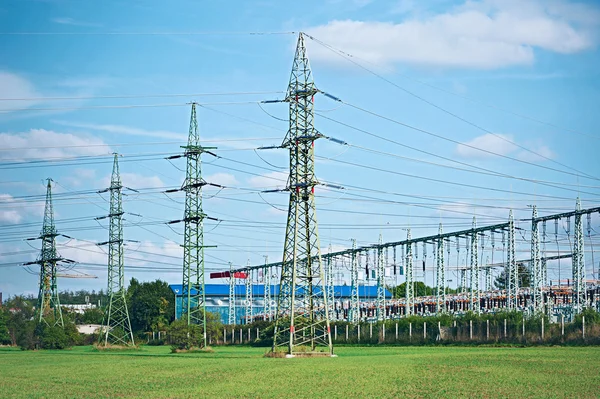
pixel 193 294
pixel 48 304
pixel 117 326
pixel 302 317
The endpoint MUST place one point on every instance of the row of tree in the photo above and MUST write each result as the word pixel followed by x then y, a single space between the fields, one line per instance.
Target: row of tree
pixel 151 308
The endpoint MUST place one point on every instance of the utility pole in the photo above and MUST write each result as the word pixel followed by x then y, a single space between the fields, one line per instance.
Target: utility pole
pixel 193 294
pixel 354 299
pixel 440 275
pixel 117 328
pixel 410 289
pixel 302 316
pixel 48 304
pixel 380 282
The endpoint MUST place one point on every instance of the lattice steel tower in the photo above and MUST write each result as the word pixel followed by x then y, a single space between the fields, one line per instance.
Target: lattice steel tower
pixel 232 315
pixel 410 289
pixel 117 326
pixel 474 292
pixel 513 270
pixel 302 317
pixel 380 282
pixel 579 286
pixel 440 275
pixel 249 297
pixel 48 305
pixel 267 292
pixel 354 298
pixel 536 273
pixel 193 295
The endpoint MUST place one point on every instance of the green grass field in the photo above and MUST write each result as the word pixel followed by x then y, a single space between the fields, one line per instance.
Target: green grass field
pixel 369 372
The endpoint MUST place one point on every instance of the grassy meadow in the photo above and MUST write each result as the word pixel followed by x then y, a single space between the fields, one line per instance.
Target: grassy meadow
pixel 243 372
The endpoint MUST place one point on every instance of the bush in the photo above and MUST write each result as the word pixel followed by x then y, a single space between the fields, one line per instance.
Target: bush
pixel 54 337
pixel 156 342
pixel 184 337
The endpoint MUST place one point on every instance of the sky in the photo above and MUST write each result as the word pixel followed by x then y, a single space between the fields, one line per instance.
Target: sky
pixel 449 110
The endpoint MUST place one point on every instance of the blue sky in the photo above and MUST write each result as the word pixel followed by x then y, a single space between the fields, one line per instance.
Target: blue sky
pixel 82 79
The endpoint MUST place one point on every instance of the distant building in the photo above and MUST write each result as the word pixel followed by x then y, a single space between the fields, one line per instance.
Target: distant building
pixel 78 308
pixel 89 329
pixel 217 299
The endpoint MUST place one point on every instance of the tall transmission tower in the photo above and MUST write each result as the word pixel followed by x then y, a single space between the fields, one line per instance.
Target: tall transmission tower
pixel 48 304
pixel 302 316
pixel 193 294
pixel 117 328
pixel 380 282
pixel 410 289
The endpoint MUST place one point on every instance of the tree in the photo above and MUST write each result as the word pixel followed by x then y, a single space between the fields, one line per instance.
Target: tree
pixel 90 316
pixel 524 277
pixel 20 310
pixel 420 290
pixel 4 334
pixel 151 305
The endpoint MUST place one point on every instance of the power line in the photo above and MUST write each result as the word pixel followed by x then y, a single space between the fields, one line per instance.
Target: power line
pixel 164 95
pixel 447 111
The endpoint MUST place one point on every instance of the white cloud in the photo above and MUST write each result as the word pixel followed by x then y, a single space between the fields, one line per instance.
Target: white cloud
pixel 482 35
pixel 541 153
pixel 8 216
pixel 80 176
pixel 502 144
pixel 135 181
pixel 126 130
pixel 15 88
pixel 224 179
pixel 271 180
pixel 489 142
pixel 47 144
pixel 73 22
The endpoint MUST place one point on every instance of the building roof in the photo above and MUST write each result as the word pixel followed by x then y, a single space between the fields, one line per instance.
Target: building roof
pixel 342 291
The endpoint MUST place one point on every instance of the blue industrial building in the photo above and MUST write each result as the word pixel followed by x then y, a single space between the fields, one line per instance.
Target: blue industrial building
pixel 217 299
